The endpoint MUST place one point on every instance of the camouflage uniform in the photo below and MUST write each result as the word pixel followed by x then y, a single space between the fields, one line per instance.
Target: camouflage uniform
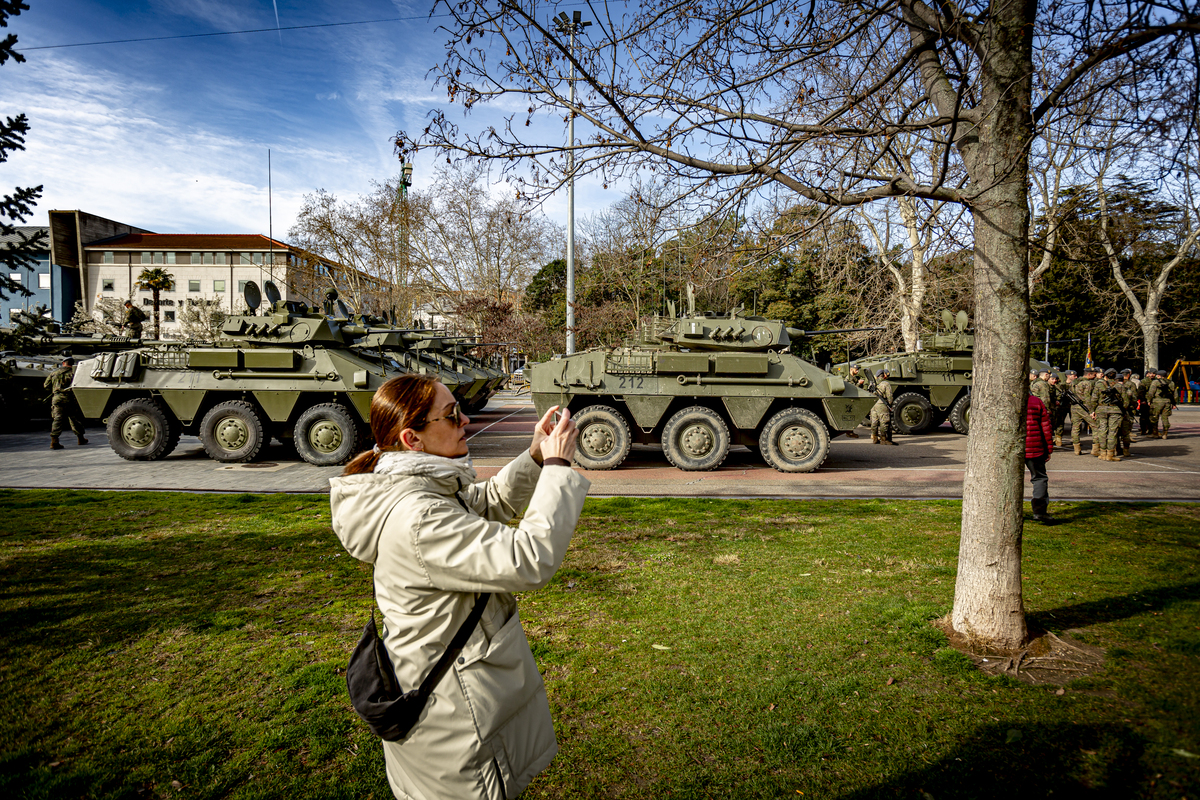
pixel 1129 395
pixel 1143 405
pixel 1041 390
pixel 63 408
pixel 1161 396
pixel 1082 389
pixel 1058 410
pixel 881 413
pixel 134 317
pixel 1109 402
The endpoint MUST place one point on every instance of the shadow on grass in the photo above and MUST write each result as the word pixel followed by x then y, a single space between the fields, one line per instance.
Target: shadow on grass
pixel 1006 761
pixel 1110 609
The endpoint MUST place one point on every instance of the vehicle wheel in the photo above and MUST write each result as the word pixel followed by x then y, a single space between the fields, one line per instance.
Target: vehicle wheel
pixel 912 413
pixel 960 415
pixel 794 440
pixel 604 438
pixel 140 430
pixel 326 435
pixel 232 432
pixel 696 439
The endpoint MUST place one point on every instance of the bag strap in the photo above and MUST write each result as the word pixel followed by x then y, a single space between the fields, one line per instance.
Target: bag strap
pixel 456 645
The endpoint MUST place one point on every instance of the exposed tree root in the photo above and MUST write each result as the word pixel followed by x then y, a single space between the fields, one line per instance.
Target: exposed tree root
pixel 1047 658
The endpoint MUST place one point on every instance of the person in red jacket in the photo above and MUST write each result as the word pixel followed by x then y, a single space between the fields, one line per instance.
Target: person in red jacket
pixel 1039 444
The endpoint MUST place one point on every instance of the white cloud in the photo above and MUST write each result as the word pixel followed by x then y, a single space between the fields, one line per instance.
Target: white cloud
pixel 120 148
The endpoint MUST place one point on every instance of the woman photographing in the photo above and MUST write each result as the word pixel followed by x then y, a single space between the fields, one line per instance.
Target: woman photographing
pixel 437 539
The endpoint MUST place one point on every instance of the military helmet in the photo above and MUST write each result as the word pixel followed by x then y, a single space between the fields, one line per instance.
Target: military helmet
pixel 882 373
pixel 1126 372
pixel 1111 372
pixel 69 361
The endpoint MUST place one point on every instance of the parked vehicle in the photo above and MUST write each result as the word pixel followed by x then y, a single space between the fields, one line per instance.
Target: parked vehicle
pixel 699 384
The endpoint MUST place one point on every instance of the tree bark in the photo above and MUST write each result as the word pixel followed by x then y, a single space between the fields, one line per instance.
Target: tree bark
pixel 988 604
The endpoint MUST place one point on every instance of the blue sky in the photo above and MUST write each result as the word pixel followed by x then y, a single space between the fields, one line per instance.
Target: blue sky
pixel 173 135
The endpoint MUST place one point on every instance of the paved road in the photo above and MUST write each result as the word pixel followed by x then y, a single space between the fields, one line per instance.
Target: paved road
pixel 928 466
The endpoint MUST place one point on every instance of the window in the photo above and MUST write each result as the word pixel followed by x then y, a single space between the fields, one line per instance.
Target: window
pixel 43 280
pixel 208 258
pixel 109 284
pixel 15 277
pixel 219 258
pixel 158 258
pixel 168 316
pixel 170 258
pixel 195 258
pixel 218 286
pixel 108 257
pixel 147 258
pixel 193 286
pixel 245 259
pixel 258 258
pixel 242 287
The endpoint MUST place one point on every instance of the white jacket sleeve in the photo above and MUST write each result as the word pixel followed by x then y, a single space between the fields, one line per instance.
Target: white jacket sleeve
pixel 504 496
pixel 462 552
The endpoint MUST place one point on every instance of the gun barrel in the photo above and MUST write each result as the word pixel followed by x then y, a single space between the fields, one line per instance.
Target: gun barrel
pixel 799 334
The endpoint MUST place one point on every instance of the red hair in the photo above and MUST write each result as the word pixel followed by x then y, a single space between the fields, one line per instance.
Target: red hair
pixel 402 402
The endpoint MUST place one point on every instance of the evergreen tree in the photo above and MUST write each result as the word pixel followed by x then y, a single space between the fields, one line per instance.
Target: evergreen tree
pixel 17 253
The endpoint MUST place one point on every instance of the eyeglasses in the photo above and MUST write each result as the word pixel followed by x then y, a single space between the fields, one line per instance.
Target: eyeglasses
pixel 454 416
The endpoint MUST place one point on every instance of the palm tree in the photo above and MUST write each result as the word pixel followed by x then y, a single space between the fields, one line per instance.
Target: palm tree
pixel 156 280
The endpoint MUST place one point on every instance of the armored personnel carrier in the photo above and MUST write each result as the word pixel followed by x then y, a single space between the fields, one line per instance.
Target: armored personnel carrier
pixel 293 373
pixel 698 384
pixel 932 384
pixel 33 348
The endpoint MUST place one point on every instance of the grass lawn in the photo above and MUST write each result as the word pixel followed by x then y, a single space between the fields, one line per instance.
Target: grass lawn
pixel 177 645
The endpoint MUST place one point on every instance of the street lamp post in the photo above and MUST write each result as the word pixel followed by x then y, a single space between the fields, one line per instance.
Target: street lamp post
pixel 572 25
pixel 406 170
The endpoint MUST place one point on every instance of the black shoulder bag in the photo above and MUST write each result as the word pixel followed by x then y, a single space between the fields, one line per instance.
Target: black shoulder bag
pixel 375 693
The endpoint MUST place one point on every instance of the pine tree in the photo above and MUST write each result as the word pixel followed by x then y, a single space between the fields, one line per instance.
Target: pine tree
pixel 17 252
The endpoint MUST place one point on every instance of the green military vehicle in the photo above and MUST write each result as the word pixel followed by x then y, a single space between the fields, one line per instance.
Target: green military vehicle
pixel 698 384
pixel 933 384
pixel 36 346
pixel 293 373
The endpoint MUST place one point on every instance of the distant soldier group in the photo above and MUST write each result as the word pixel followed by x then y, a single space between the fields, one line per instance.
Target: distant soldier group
pixel 1108 402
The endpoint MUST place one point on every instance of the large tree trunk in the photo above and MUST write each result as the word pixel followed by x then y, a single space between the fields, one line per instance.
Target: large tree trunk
pixel 987 597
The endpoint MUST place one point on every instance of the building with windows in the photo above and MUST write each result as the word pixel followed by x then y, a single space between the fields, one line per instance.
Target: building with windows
pixel 37 278
pixel 205 267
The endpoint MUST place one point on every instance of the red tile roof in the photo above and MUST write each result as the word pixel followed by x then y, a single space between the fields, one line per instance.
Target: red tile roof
pixel 188 241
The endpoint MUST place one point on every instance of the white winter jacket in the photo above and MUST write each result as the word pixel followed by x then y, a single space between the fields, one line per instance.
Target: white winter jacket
pixel 437 539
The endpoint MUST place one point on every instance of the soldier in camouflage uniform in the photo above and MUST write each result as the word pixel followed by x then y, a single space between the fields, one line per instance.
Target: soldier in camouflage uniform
pixel 881 412
pixel 1058 408
pixel 1143 405
pixel 1161 395
pixel 1039 387
pixel 134 317
pixel 63 408
pixel 1127 436
pixel 1109 411
pixel 1081 388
